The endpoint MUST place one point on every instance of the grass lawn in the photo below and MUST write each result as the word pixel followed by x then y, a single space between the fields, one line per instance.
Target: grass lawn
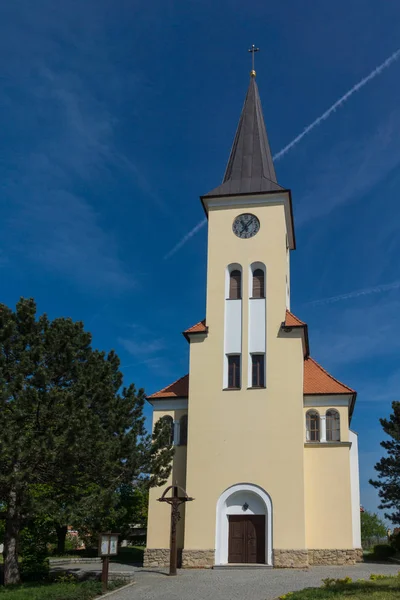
pixel 378 587
pixel 56 591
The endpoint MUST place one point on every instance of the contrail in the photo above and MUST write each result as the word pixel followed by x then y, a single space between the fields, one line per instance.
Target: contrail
pixel 373 290
pixel 187 237
pixel 377 71
pixel 338 103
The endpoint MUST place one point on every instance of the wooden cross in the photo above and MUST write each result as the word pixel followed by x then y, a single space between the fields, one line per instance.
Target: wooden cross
pixel 175 500
pixel 253 50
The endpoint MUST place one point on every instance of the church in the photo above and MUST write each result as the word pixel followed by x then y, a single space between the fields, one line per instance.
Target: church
pixel 261 430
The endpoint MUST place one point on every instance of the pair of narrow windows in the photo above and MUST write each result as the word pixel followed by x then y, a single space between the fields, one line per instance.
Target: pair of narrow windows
pixel 235 284
pixel 313 426
pixel 182 429
pixel 257 371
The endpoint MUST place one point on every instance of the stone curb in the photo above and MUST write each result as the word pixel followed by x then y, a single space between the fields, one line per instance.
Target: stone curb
pixel 108 594
pixel 73 561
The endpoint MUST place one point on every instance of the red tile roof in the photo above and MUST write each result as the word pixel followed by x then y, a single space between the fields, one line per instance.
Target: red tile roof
pixel 316 381
pixel 319 381
pixel 200 327
pixel 292 321
pixel 177 389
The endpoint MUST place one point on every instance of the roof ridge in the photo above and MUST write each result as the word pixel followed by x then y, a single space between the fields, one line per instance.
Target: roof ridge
pixel 168 386
pixel 329 375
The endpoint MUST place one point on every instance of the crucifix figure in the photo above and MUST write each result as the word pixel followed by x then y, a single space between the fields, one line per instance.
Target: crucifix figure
pixel 253 50
pixel 175 500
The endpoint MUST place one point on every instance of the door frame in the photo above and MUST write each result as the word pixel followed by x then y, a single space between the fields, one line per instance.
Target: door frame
pixel 263 500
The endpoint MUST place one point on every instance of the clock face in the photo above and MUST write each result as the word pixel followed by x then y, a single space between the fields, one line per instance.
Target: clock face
pixel 246 225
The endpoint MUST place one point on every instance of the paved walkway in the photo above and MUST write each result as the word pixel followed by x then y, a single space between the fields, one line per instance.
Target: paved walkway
pixel 261 584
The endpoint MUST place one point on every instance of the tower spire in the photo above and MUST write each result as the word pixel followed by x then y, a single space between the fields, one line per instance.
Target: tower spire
pixel 250 167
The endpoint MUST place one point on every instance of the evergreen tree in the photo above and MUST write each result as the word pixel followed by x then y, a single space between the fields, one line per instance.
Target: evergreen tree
pixel 388 467
pixel 67 424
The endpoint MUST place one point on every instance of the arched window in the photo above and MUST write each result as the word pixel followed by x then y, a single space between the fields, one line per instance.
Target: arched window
pixel 312 426
pixel 168 422
pixel 183 430
pixel 235 285
pixel 332 426
pixel 258 284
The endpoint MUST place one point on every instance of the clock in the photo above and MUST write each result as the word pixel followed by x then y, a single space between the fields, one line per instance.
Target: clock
pixel 246 226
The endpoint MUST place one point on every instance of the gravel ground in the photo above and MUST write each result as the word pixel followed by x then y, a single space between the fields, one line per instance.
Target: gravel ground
pixel 261 584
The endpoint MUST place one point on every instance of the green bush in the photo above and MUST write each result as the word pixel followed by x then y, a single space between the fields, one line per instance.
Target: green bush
pixel 33 549
pixel 395 541
pixel 383 551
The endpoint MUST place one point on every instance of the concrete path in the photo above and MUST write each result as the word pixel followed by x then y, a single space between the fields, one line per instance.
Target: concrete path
pixel 261 584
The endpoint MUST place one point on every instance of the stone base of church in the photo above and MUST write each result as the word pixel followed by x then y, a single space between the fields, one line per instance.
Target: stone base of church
pixel 290 559
pixel 189 559
pixel 305 558
pixel 198 558
pixel 335 557
pixel 156 557
pixel 283 559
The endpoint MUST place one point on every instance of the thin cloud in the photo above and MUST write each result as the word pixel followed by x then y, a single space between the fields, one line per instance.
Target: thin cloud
pixel 377 71
pixel 142 348
pixel 185 239
pixel 379 289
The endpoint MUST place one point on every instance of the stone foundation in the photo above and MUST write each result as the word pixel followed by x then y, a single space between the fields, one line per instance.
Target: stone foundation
pixel 290 558
pixel 335 557
pixel 198 558
pixel 300 559
pixel 156 557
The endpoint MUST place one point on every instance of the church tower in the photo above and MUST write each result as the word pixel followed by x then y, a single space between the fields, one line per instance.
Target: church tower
pixel 257 424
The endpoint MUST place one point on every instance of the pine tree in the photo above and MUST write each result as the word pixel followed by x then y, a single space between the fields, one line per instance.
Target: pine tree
pixel 388 467
pixel 67 424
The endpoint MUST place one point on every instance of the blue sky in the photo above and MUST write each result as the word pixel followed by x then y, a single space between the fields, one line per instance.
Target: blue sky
pixel 116 116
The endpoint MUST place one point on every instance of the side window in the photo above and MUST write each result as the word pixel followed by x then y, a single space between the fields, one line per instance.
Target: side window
pixel 258 284
pixel 312 426
pixel 234 371
pixel 235 285
pixel 332 426
pixel 183 430
pixel 168 422
pixel 258 370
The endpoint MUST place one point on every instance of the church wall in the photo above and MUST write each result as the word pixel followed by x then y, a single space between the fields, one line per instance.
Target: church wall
pixel 249 435
pixel 158 531
pixel 328 497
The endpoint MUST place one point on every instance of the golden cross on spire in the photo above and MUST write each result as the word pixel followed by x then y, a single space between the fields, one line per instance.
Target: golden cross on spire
pixel 253 50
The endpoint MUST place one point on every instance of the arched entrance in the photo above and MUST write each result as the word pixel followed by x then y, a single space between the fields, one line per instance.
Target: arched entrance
pixel 244 525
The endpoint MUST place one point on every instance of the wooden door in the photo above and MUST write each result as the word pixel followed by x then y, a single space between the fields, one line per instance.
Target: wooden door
pixel 246 539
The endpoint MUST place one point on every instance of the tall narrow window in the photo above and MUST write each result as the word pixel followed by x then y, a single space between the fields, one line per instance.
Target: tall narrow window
pixel 235 285
pixel 234 371
pixel 258 370
pixel 168 423
pixel 258 284
pixel 312 426
pixel 332 426
pixel 183 430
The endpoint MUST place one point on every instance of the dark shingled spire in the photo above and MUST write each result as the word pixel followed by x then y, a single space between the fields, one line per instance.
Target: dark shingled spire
pixel 250 167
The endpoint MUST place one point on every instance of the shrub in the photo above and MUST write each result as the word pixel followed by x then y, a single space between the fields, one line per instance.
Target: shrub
pixel 383 551
pixel 33 547
pixel 395 541
pixel 330 582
